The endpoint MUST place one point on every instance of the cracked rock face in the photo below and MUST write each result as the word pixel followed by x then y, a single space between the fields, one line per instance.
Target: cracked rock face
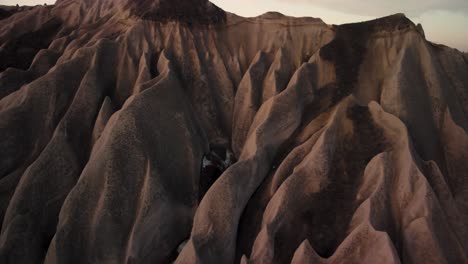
pixel 160 132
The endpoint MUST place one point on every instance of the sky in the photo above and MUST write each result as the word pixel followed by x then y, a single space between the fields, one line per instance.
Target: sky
pixel 444 21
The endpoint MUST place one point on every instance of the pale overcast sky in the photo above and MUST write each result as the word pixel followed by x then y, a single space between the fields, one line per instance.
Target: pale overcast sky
pixel 444 21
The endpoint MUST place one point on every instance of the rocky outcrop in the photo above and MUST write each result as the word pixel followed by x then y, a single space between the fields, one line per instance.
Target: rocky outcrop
pixel 149 132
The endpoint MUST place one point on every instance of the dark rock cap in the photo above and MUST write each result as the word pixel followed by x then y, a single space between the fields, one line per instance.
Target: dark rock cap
pixel 192 12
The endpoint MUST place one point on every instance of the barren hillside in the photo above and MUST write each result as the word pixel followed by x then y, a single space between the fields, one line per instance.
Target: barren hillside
pixel 158 131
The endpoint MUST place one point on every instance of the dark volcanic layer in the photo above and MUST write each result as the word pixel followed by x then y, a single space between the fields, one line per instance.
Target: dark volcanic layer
pixel 187 12
pixel 160 132
pixel 5 13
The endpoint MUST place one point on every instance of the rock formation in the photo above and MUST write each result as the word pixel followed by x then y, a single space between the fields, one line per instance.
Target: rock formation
pixel 331 144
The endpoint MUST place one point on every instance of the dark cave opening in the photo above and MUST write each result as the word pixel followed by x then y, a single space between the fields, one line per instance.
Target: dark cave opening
pixel 214 164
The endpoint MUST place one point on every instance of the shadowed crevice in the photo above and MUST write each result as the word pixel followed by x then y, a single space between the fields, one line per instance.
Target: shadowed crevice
pixel 20 52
